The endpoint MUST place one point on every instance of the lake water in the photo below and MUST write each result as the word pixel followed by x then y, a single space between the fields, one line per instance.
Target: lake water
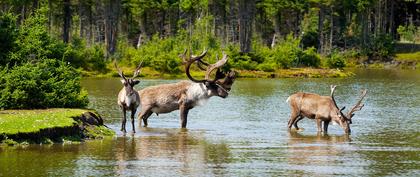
pixel 246 134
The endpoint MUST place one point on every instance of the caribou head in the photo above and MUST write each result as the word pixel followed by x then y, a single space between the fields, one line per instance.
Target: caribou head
pixel 342 119
pixel 215 86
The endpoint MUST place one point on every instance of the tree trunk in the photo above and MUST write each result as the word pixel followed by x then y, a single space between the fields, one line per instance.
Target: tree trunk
pixel 321 29
pixel 111 26
pixel 246 14
pixel 67 20
pixel 277 33
pixel 331 29
pixel 143 33
pixel 232 27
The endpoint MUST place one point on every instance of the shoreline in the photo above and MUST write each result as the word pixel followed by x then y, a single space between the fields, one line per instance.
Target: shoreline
pixel 308 72
pixel 47 126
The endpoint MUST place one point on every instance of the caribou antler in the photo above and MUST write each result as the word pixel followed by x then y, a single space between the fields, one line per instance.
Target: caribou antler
pixel 332 90
pixel 217 65
pixel 332 87
pixel 358 106
pixel 210 68
pixel 192 57
pixel 191 61
pixel 137 71
pixel 119 71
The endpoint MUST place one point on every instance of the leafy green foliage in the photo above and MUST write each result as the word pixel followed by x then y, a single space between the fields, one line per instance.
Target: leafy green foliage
pixel 309 57
pixel 335 60
pixel 45 84
pixel 380 47
pixel 310 39
pixel 8 35
pixel 34 42
pixel 409 33
pixel 81 56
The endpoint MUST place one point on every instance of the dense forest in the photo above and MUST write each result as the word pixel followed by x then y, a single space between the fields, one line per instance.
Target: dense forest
pixel 47 44
pixel 257 34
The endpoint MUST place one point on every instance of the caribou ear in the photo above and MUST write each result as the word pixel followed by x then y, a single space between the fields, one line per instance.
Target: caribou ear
pixel 123 81
pixel 135 82
pixel 342 108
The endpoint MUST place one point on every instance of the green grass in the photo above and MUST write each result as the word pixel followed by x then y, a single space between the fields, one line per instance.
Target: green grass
pixel 408 56
pixel 148 72
pixel 31 121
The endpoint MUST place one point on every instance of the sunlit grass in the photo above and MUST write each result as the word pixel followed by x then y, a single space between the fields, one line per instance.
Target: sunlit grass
pixel 31 121
pixel 408 56
pixel 148 72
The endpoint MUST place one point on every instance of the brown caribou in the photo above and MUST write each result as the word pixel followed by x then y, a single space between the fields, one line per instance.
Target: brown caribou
pixel 185 95
pixel 322 109
pixel 128 97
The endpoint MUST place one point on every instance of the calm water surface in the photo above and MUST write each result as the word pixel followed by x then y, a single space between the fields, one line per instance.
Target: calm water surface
pixel 246 134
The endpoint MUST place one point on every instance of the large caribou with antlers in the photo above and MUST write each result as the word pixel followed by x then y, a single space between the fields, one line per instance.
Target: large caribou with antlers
pixel 185 95
pixel 128 97
pixel 322 109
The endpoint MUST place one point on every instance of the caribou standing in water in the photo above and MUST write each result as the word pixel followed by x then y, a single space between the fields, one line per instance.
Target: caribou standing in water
pixel 322 109
pixel 185 95
pixel 128 98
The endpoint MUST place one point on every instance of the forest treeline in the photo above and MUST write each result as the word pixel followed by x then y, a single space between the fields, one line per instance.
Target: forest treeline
pixel 42 42
pixel 257 34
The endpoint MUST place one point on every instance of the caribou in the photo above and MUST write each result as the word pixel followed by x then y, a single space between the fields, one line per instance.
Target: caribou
pixel 185 95
pixel 128 97
pixel 322 109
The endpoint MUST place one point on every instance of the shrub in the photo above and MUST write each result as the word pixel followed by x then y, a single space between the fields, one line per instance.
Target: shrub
pixel 286 54
pixel 241 60
pixel 380 47
pixel 267 67
pixel 34 42
pixel 335 60
pixel 81 56
pixel 309 39
pixel 45 84
pixel 309 57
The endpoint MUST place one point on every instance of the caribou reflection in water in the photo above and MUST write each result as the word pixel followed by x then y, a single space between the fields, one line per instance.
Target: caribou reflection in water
pixel 314 154
pixel 158 150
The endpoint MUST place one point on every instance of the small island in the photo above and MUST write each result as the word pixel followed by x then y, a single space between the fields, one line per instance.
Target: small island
pixel 46 126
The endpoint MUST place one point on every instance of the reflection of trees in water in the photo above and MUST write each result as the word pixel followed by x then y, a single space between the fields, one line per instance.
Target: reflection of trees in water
pixel 391 153
pixel 255 87
pixel 176 152
pixel 39 160
pixel 314 152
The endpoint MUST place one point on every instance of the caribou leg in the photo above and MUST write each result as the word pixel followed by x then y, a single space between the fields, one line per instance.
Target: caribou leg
pixel 124 120
pixel 184 113
pixel 133 113
pixel 326 123
pixel 292 119
pixel 296 121
pixel 144 115
pixel 318 124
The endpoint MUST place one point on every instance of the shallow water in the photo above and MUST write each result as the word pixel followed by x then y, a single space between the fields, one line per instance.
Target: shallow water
pixel 246 134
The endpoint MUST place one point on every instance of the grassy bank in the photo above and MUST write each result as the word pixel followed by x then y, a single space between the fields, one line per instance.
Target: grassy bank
pixel 150 73
pixel 408 60
pixel 50 125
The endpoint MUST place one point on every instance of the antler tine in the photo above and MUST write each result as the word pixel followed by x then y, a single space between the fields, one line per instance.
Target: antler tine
pixel 358 106
pixel 199 57
pixel 188 65
pixel 183 56
pixel 332 89
pixel 217 65
pixel 119 71
pixel 137 71
pixel 201 62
